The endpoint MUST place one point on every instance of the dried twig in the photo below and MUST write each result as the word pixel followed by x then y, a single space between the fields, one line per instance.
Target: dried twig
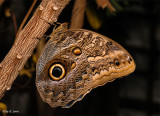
pixel 25 43
pixel 26 17
pixel 14 22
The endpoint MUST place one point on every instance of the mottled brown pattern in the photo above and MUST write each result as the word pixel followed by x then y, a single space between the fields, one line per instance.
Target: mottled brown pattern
pixel 95 65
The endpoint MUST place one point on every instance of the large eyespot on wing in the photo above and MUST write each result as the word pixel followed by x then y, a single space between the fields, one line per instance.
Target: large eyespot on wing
pixel 57 71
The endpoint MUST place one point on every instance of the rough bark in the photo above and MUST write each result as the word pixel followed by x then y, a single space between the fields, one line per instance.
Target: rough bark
pixel 48 11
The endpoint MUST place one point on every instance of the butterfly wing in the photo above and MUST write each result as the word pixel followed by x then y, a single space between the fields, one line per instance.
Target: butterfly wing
pixel 107 59
pixel 78 61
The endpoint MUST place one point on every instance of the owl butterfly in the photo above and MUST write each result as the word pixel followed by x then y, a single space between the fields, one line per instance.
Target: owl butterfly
pixel 74 61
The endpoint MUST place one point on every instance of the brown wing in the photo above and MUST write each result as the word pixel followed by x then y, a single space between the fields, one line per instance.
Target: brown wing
pixel 85 59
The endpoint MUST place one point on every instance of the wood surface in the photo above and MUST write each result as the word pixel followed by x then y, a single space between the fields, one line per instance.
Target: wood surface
pixel 47 12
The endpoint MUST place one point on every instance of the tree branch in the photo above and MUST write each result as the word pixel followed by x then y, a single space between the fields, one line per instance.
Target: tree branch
pixel 1 2
pixel 48 11
pixel 78 14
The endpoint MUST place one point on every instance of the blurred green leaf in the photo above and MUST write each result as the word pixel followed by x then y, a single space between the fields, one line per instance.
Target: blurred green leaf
pixel 116 5
pixel 3 108
pixel 93 18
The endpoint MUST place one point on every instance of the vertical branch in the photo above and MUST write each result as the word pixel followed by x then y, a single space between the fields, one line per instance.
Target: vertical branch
pixel 78 14
pixel 25 43
pixel 1 2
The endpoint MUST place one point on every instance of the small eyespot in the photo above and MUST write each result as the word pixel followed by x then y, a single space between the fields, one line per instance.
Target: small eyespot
pixel 117 63
pixel 73 65
pixel 130 59
pixel 56 72
pixel 77 51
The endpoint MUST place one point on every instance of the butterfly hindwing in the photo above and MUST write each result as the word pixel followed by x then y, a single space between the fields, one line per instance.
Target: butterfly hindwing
pixel 78 61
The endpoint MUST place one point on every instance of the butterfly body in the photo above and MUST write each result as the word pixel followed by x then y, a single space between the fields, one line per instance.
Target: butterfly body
pixel 85 59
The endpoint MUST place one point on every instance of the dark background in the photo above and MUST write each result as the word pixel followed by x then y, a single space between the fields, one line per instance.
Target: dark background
pixel 136 28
